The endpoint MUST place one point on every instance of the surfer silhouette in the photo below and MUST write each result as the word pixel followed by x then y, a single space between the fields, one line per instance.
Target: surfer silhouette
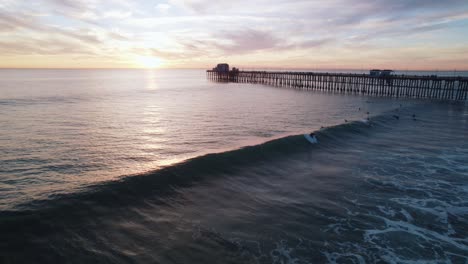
pixel 311 138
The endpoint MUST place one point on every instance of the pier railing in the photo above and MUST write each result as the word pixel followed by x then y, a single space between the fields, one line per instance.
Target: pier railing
pixel 434 87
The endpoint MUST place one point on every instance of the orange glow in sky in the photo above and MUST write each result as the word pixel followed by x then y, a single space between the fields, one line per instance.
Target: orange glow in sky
pixel 338 34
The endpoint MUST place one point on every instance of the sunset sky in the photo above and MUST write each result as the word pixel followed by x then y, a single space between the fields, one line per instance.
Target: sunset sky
pixel 333 34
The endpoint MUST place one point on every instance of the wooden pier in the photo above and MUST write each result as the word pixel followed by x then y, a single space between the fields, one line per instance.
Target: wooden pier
pixel 412 86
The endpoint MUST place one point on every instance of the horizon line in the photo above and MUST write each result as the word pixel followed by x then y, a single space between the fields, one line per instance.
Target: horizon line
pixel 241 68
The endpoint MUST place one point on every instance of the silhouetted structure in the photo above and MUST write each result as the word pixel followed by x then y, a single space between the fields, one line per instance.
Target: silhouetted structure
pixel 387 84
pixel 222 67
pixel 380 73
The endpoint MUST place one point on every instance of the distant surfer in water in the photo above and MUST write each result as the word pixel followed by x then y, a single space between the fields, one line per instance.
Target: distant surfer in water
pixel 311 138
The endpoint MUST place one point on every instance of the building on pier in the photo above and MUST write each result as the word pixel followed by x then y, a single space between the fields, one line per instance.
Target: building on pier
pixel 222 67
pixel 380 73
pixel 386 73
pixel 374 73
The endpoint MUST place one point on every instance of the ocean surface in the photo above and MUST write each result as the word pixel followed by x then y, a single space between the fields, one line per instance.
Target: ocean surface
pixel 164 166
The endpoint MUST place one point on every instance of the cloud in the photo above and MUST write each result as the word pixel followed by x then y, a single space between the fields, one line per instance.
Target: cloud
pixel 52 46
pixel 409 5
pixel 184 31
pixel 240 42
pixel 9 22
pixel 86 36
pixel 247 40
pixel 163 8
pixel 71 5
pixel 315 43
pixel 410 27
pixel 198 6
pixel 117 14
pixel 170 55
pixel 396 10
pixel 12 23
pixel 91 11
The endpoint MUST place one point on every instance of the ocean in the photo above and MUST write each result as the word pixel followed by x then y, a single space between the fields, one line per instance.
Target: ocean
pixel 164 166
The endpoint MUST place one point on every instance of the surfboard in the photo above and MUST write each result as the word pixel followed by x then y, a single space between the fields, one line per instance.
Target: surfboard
pixel 312 140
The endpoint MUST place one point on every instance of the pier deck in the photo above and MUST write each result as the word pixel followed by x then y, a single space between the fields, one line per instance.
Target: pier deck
pixel 412 86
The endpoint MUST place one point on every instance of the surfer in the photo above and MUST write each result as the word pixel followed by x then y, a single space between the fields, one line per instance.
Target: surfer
pixel 311 138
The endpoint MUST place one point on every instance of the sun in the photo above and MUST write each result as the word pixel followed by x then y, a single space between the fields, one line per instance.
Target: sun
pixel 148 62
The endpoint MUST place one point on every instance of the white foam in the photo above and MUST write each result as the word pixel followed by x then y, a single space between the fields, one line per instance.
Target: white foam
pixel 311 139
pixel 426 234
pixel 407 215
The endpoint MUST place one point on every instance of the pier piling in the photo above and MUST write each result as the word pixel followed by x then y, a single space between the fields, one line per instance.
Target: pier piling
pixel 412 86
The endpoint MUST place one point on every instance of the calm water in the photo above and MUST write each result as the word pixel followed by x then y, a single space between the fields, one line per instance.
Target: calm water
pixel 110 166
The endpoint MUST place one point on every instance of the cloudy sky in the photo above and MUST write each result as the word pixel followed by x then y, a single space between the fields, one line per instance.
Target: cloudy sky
pixel 327 34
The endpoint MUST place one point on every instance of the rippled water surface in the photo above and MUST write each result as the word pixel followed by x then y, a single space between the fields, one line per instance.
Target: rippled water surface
pixel 64 129
pixel 93 168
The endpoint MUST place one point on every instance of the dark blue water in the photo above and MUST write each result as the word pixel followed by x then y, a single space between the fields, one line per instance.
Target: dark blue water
pixel 393 189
